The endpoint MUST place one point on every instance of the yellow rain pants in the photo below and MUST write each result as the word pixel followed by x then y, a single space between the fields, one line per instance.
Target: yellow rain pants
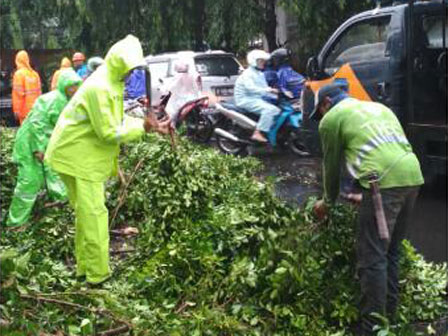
pixel 91 228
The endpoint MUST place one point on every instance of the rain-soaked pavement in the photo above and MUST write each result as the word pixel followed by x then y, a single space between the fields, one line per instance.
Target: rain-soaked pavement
pixel 299 178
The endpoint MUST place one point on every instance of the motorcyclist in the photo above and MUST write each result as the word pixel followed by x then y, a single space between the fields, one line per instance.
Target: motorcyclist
pixel 270 73
pixel 135 93
pixel 290 82
pixel 184 88
pixel 250 89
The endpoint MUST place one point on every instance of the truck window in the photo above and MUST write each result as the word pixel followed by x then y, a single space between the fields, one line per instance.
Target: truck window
pixel 361 42
pixel 429 70
pixel 435 33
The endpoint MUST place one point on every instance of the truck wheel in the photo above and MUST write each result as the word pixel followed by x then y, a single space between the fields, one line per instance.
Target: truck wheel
pixel 297 143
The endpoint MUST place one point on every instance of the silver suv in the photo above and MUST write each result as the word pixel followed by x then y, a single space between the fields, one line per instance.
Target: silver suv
pixel 217 71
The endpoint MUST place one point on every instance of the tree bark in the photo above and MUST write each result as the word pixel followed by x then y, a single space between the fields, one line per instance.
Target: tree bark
pixel 270 30
pixel 228 22
pixel 199 23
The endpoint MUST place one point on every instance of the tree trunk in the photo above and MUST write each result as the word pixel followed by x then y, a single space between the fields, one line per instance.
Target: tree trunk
pixel 270 29
pixel 199 23
pixel 228 22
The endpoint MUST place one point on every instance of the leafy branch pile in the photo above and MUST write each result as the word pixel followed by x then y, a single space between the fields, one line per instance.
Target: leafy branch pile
pixel 217 254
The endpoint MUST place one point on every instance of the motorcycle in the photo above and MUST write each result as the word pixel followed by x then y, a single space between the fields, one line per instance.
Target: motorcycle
pixel 233 133
pixel 199 126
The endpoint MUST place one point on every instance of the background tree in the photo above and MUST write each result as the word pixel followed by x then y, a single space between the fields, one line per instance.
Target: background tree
pixel 93 26
pixel 316 21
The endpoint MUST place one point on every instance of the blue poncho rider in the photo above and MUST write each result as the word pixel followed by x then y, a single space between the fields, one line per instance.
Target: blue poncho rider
pixel 250 89
pixel 289 82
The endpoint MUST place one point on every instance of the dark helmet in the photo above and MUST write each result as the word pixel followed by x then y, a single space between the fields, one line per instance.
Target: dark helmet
pixel 281 56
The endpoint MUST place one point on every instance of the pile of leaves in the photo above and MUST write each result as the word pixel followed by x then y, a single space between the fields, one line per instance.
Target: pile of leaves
pixel 217 254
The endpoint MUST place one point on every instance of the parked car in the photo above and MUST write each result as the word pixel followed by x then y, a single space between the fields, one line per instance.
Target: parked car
pixel 216 71
pixel 6 114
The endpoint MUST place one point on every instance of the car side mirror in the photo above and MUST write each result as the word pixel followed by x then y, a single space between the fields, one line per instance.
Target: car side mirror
pixel 312 67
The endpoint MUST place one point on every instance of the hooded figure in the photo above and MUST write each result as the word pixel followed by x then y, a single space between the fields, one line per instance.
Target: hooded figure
pixel 65 63
pixel 184 88
pixel 30 144
pixel 26 86
pixel 84 150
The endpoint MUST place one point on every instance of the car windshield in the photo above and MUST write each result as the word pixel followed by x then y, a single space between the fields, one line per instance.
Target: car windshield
pixel 217 66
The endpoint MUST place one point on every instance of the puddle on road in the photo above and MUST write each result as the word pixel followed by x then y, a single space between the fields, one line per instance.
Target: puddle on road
pixel 296 178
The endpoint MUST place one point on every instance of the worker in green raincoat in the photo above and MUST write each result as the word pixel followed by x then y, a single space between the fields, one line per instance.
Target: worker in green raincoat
pixel 29 148
pixel 84 149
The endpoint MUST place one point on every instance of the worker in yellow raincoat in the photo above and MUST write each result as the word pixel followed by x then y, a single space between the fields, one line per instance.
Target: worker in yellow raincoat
pixel 84 150
pixel 65 63
pixel 26 86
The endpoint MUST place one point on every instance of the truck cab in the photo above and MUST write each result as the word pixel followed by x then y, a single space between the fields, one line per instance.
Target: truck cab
pixel 395 55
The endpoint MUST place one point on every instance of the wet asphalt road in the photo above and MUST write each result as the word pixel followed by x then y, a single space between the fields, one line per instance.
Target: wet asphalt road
pixel 298 178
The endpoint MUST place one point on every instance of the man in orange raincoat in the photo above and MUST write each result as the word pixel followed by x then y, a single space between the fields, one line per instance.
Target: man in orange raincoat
pixel 26 86
pixel 65 63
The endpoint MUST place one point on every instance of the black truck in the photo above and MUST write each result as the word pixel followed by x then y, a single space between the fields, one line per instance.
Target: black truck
pixel 396 55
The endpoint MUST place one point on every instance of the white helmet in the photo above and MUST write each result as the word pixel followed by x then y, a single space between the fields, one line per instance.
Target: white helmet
pixel 255 55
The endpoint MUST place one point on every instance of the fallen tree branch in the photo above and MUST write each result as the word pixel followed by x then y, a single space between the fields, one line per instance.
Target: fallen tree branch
pixel 66 293
pixel 126 326
pixel 115 331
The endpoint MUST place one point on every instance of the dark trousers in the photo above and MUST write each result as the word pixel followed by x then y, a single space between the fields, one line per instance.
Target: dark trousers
pixel 377 259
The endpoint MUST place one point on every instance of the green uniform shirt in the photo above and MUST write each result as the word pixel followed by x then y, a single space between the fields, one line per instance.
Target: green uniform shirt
pixel 370 138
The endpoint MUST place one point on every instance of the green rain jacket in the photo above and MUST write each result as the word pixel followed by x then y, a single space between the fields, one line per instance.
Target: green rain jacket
pixel 35 132
pixel 85 142
pixel 370 139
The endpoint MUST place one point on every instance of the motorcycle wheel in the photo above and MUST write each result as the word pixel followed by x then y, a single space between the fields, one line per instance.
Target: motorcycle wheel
pixel 230 147
pixel 297 143
pixel 199 127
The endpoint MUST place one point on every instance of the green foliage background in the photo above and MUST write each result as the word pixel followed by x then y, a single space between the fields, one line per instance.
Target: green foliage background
pixel 217 254
pixel 162 25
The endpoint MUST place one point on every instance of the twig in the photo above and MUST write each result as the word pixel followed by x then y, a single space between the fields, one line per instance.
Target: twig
pixel 65 293
pixel 124 191
pixel 100 311
pixel 123 251
pixel 181 307
pixel 115 331
pixel 60 302
pixel 121 177
pixel 57 204
pixel 173 139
